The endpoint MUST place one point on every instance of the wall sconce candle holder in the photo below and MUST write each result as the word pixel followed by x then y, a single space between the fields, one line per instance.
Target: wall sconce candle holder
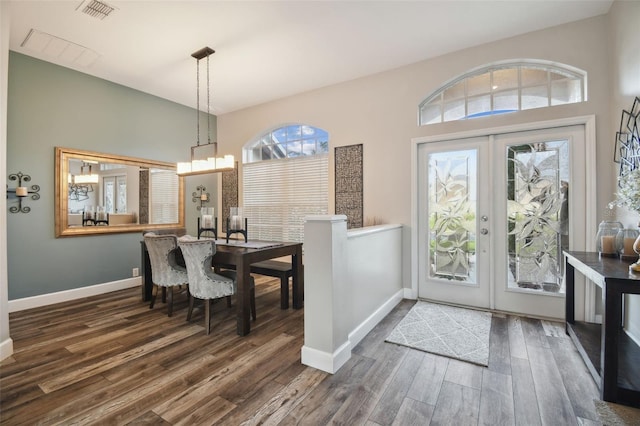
pixel 234 223
pixel 200 196
pixel 22 192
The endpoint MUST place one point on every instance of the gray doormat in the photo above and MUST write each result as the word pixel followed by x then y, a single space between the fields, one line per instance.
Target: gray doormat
pixel 617 415
pixel 445 330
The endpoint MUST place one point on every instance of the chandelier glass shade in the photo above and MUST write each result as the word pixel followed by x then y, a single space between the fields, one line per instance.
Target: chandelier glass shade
pixel 204 157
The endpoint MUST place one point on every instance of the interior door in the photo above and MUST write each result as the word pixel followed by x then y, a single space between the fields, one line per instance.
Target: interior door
pixel 454 247
pixel 494 217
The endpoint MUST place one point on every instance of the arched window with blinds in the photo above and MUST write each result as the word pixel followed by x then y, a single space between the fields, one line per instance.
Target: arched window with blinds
pixel 285 178
pixel 503 88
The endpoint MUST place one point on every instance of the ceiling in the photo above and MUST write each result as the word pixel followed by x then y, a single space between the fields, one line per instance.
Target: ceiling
pixel 267 50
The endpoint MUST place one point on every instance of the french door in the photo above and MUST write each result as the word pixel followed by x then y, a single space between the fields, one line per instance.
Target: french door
pixel 494 216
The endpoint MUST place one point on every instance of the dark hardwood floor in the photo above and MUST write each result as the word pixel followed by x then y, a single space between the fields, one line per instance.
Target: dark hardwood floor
pixel 110 360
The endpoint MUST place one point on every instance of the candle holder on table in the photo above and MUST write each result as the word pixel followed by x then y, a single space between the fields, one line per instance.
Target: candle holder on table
pixel 101 216
pixel 207 222
pixel 235 223
pixel 624 243
pixel 88 216
pixel 606 238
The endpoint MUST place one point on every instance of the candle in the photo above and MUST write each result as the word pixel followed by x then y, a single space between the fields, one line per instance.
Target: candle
pixel 203 197
pixel 207 221
pixel 628 247
pixel 608 244
pixel 21 191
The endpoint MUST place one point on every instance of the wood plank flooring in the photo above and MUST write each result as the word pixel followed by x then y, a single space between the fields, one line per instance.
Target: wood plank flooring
pixel 111 360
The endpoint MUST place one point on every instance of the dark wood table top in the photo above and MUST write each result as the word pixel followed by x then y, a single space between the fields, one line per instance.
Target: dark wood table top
pixel 605 267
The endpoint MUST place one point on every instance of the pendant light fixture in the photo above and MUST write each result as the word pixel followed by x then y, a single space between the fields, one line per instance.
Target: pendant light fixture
pixel 204 158
pixel 86 175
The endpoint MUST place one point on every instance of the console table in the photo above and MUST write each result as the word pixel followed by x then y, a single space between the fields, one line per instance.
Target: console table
pixel 613 359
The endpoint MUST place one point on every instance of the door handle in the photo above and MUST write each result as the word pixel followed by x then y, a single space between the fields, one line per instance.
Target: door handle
pixel 484 231
pixel 484 218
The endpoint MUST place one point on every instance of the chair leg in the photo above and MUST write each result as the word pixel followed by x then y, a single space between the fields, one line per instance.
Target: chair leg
pixel 252 296
pixel 153 296
pixel 191 302
pixel 284 292
pixel 164 295
pixel 170 302
pixel 207 315
pixel 228 301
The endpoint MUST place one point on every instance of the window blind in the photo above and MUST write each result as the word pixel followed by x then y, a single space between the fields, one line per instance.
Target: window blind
pixel 279 194
pixel 164 196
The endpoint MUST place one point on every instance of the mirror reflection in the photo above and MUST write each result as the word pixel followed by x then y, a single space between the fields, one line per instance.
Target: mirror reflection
pixel 102 193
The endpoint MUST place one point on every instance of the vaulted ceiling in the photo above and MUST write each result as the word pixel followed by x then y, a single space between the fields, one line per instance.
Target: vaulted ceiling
pixel 266 50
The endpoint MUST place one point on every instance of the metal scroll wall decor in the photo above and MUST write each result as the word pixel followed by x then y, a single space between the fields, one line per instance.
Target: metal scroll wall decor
pixel 200 196
pixel 22 192
pixel 627 145
pixel 349 185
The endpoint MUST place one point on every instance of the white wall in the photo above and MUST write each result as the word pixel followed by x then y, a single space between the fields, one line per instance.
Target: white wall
pixel 624 19
pixel 380 111
pixel 374 266
pixel 353 279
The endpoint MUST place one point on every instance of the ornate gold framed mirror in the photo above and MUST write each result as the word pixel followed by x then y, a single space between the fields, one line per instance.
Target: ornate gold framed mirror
pixel 98 193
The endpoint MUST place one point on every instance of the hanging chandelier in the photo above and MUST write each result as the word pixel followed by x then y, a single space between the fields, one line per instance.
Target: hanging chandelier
pixel 204 158
pixel 85 177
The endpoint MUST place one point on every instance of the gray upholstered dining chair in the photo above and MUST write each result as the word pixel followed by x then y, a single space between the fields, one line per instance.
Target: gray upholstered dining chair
pixel 165 270
pixel 206 284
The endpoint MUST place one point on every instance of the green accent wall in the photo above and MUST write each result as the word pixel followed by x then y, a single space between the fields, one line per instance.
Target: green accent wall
pixel 48 106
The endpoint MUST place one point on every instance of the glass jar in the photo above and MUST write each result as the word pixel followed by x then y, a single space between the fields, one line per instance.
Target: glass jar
pixel 207 218
pixel 606 237
pixel 236 219
pixel 624 243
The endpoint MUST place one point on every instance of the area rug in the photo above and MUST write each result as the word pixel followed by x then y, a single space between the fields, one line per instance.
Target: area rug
pixel 617 415
pixel 445 330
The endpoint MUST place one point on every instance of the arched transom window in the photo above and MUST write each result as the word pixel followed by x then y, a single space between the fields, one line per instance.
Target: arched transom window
pixel 503 88
pixel 296 140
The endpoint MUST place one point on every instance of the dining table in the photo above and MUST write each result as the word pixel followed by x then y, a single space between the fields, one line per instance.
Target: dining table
pixel 242 254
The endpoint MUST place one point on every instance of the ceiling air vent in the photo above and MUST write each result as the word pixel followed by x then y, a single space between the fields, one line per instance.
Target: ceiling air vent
pixel 95 8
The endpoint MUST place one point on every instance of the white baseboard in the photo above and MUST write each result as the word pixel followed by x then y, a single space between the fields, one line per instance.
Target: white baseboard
pixel 410 294
pixel 326 361
pixel 632 336
pixel 6 348
pixel 73 294
pixel 358 333
pixel 331 362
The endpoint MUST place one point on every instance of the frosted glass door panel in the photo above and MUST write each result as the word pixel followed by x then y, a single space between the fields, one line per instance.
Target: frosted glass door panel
pixel 452 215
pixel 537 211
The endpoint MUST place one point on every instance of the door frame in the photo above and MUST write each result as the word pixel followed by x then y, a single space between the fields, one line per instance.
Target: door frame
pixel 585 300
